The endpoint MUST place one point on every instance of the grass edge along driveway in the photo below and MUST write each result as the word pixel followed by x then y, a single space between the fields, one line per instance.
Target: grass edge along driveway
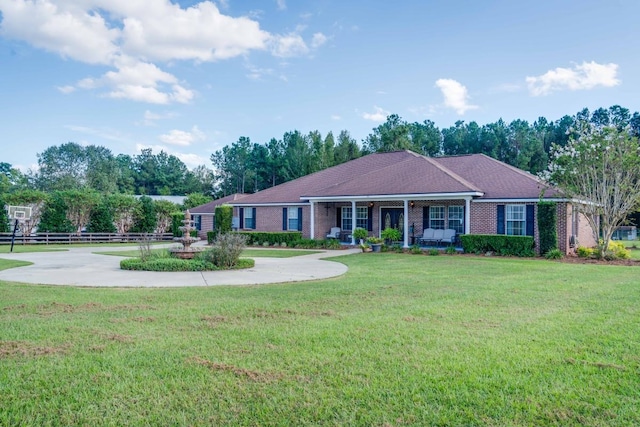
pixel 400 340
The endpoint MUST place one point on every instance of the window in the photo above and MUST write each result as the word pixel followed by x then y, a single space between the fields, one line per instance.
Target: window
pixel 249 220
pixel 293 219
pixel 197 219
pixel 515 220
pixel 346 218
pixel 436 217
pixel 456 218
pixel 362 218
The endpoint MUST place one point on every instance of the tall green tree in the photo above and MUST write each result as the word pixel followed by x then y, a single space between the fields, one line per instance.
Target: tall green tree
pixel 144 220
pixel 392 135
pixel 54 216
pixel 79 205
pixel 101 217
pixel 602 167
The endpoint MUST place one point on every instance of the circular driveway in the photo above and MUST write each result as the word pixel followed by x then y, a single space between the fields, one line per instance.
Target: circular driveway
pixel 82 267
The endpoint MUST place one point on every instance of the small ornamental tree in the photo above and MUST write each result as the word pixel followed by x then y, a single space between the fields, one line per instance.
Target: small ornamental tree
pixel 101 218
pixel 124 209
pixel 600 169
pixel 54 216
pixel 4 217
pixel 79 204
pixel 145 216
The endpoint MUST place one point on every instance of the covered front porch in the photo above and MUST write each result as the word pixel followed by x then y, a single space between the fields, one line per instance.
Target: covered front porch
pixel 410 214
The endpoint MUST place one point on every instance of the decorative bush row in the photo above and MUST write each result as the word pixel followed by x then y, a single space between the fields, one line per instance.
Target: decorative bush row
pixel 499 244
pixel 279 237
pixel 175 264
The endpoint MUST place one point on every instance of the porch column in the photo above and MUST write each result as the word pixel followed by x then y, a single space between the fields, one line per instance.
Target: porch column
pixel 467 215
pixel 313 220
pixel 353 221
pixel 405 226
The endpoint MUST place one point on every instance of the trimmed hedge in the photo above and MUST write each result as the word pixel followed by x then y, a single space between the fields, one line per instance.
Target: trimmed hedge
pixel 500 244
pixel 259 237
pixel 547 227
pixel 176 264
pixel 211 236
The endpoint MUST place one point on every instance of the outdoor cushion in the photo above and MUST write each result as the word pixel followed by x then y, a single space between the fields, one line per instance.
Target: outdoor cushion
pixel 438 235
pixel 334 233
pixel 427 235
pixel 449 235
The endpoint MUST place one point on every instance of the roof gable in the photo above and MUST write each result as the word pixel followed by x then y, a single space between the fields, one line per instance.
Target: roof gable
pixel 211 206
pixel 405 172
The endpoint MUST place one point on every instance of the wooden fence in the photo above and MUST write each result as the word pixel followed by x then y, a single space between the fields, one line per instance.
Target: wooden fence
pixel 70 238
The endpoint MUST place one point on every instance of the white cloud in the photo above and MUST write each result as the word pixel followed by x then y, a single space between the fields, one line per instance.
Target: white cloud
pixel 183 138
pixel 289 45
pixel 66 89
pixel 455 95
pixel 379 115
pixel 282 4
pixel 335 117
pixel 151 118
pixel 581 77
pixel 134 37
pixel 109 134
pixel 318 40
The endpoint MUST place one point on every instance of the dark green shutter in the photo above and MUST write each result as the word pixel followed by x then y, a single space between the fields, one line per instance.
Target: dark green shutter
pixel 241 214
pixel 339 217
pixel 425 217
pixel 284 219
pixel 299 219
pixel 500 225
pixel 255 221
pixel 370 220
pixel 530 220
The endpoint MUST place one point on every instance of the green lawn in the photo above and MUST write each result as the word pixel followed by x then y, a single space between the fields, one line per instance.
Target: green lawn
pixel 247 253
pixel 19 248
pixel 7 263
pixel 400 340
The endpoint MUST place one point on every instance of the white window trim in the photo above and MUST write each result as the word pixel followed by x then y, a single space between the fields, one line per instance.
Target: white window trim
pixel 509 209
pixel 432 209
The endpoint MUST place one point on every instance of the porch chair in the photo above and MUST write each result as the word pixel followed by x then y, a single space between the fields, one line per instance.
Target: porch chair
pixel 438 235
pixel 449 236
pixel 427 235
pixel 334 233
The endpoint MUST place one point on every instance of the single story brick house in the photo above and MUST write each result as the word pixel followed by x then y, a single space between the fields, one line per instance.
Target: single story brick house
pixel 472 194
pixel 203 215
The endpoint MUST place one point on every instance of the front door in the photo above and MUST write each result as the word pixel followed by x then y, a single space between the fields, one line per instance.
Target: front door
pixel 392 218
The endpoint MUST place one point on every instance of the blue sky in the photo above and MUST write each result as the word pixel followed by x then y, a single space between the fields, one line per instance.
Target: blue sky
pixel 190 77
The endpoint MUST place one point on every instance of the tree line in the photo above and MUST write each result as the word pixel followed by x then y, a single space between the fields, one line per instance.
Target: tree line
pixel 247 167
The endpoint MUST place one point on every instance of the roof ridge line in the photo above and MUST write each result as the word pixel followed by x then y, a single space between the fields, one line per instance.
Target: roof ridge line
pixel 448 171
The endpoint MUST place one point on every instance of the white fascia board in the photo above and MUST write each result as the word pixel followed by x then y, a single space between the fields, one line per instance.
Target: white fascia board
pixel 531 200
pixel 386 197
pixel 242 205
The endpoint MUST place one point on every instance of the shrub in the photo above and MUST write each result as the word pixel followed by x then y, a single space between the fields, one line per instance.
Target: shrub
pixel 211 236
pixel 101 218
pixel 501 244
pixel 270 238
pixel 433 252
pixel 145 217
pixel 225 251
pixel 554 254
pixel 451 250
pixel 4 217
pixel 397 249
pixel 360 233
pixel 176 223
pixel 584 252
pixel 415 249
pixel 391 234
pixel 223 218
pixel 547 226
pixel 616 250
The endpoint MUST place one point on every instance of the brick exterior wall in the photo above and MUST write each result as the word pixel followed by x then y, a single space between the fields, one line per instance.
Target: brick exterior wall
pixel 206 224
pixel 483 219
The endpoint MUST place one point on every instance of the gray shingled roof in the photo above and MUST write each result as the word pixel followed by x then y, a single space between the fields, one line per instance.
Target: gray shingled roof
pixel 209 208
pixel 405 172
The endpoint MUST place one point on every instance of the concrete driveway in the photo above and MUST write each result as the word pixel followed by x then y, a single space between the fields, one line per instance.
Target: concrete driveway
pixel 81 267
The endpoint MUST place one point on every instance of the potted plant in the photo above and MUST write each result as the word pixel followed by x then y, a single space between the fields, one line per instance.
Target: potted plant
pixel 359 234
pixel 391 235
pixel 375 243
pixel 365 247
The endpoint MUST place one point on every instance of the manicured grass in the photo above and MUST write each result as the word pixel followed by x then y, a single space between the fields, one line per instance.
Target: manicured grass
pixel 400 340
pixel 9 263
pixel 276 253
pixel 247 253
